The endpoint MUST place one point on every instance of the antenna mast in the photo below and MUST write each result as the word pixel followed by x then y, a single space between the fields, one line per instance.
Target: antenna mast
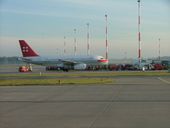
pixel 106 39
pixel 139 34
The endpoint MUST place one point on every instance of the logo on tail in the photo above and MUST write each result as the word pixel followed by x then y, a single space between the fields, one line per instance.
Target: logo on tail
pixel 26 50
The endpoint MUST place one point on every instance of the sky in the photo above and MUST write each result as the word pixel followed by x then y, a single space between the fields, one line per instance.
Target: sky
pixel 44 23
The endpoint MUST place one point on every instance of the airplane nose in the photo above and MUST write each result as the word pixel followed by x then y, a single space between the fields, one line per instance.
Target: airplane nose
pixel 103 61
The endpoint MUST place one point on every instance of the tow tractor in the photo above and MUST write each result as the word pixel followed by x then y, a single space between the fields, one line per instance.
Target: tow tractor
pixel 27 68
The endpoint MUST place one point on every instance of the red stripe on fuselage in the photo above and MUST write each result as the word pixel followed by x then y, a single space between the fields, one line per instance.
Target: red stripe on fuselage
pixel 103 61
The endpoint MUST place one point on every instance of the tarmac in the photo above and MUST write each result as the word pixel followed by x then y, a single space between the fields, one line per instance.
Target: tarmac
pixel 132 102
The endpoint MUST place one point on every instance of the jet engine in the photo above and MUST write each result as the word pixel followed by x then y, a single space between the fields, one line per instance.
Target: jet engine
pixel 80 67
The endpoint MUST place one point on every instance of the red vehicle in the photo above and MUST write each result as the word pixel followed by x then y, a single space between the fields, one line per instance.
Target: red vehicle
pixel 24 69
pixel 113 67
pixel 158 67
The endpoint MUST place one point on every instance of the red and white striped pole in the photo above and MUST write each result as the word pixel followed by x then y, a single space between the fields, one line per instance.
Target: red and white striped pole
pixel 139 35
pixel 107 49
pixel 88 40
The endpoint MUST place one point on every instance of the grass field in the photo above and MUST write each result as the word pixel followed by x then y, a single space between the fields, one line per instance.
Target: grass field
pixel 61 78
pixel 88 74
pixel 82 81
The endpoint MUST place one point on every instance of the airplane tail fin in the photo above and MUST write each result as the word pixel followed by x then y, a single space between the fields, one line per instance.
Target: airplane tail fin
pixel 26 50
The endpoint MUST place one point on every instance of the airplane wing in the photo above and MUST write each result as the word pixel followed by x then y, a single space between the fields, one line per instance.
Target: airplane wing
pixel 23 59
pixel 67 62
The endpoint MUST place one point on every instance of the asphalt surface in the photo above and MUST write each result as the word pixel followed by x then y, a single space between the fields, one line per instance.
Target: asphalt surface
pixel 132 102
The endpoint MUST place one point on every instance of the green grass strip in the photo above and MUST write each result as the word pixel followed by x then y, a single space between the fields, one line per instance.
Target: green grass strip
pixel 88 74
pixel 82 81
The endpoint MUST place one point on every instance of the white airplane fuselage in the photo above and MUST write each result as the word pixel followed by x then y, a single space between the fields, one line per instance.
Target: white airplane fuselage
pixel 65 60
pixel 78 62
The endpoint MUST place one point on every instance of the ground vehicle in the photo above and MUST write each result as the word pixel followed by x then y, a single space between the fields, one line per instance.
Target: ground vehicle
pixel 24 69
pixel 56 68
pixel 158 67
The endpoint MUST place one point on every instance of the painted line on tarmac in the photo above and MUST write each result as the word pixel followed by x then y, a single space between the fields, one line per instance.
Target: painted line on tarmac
pixel 85 101
pixel 163 80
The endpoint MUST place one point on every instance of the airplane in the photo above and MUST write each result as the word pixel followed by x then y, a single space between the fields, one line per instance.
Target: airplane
pixel 77 62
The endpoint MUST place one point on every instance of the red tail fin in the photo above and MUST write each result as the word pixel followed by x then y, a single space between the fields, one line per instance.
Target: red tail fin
pixel 27 51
